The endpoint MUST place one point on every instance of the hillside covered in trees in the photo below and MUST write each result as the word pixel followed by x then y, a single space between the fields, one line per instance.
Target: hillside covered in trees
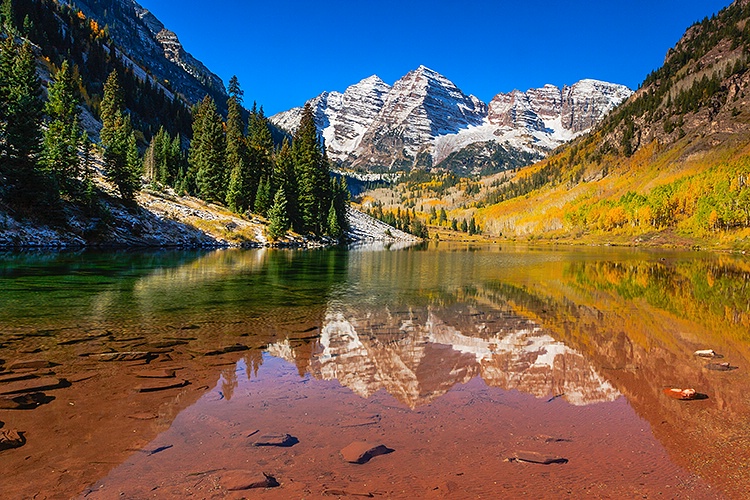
pixel 668 166
pixel 59 69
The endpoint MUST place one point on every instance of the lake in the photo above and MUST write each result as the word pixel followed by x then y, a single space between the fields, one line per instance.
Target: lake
pixel 220 374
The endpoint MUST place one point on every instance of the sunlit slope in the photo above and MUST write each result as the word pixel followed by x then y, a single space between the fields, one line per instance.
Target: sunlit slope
pixel 671 165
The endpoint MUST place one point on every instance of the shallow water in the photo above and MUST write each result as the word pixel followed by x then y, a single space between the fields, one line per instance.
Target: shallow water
pixel 161 371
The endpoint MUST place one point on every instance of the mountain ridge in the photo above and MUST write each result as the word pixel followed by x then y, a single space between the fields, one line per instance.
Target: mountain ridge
pixel 423 118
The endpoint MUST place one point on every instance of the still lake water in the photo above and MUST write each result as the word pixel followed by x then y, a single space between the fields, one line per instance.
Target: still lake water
pixel 157 374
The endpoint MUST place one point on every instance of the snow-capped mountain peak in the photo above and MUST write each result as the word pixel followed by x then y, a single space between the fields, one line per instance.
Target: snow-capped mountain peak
pixel 424 118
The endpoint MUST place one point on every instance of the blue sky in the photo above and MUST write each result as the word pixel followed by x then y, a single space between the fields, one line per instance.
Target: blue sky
pixel 287 51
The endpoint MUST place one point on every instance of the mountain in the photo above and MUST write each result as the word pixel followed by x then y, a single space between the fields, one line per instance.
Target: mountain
pixel 424 119
pixel 146 41
pixel 669 166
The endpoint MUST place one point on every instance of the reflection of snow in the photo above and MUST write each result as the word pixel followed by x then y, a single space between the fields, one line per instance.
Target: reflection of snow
pixel 426 360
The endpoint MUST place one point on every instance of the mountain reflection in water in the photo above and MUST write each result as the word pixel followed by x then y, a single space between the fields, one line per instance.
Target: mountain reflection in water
pixel 464 348
pixel 419 355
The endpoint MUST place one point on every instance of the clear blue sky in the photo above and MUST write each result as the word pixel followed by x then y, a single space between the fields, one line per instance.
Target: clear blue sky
pixel 287 51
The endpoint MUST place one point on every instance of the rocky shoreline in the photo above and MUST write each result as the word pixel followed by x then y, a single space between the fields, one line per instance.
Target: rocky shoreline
pixel 165 220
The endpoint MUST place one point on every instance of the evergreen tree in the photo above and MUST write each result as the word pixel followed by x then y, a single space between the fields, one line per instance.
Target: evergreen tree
pixel 120 152
pixel 121 158
pixel 22 115
pixel 7 17
pixel 260 151
pixel 237 163
pixel 263 198
pixel 284 178
pixel 473 227
pixel 334 229
pixel 112 107
pixel 207 151
pixel 312 171
pixel 278 221
pixel 64 134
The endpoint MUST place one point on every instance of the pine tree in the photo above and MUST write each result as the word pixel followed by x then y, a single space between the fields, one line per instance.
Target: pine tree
pixel 263 198
pixel 7 17
pixel 207 150
pixel 278 221
pixel 121 160
pixel 21 128
pixel 312 171
pixel 473 227
pixel 237 162
pixel 260 151
pixel 112 107
pixel 284 178
pixel 64 134
pixel 334 229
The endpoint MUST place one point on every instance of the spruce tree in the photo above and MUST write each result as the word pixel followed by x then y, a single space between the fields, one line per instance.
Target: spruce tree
pixel 260 151
pixel 64 134
pixel 237 162
pixel 284 178
pixel 263 198
pixel 278 221
pixel 207 152
pixel 112 107
pixel 121 161
pixel 312 171
pixel 7 17
pixel 22 122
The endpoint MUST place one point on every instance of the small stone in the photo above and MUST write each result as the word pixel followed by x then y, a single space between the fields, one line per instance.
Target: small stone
pixel 238 480
pixel 720 367
pixel 281 440
pixel 533 457
pixel 11 438
pixel 360 452
pixel 144 416
pixel 707 353
pixel 156 386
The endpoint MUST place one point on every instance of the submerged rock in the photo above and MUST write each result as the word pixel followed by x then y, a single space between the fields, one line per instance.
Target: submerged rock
pixel 280 440
pixel 360 452
pixel 30 364
pixel 11 438
pixel 534 457
pixel 34 385
pixel 159 385
pixel 238 480
pixel 24 401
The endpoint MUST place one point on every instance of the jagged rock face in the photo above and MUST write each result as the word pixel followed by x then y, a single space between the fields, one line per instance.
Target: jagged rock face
pixel 578 107
pixel 585 103
pixel 146 41
pixel 514 110
pixel 425 119
pixel 344 118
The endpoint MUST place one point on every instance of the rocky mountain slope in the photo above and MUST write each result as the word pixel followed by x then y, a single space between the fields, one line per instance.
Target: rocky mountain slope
pixel 146 41
pixel 424 120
